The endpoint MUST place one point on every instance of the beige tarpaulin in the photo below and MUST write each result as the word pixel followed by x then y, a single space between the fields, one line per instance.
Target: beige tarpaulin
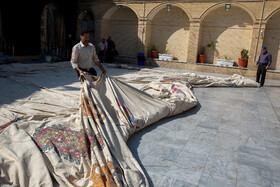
pixel 88 147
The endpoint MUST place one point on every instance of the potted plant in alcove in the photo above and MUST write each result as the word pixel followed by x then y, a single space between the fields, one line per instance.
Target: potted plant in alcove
pixel 211 45
pixel 154 52
pixel 202 56
pixel 242 62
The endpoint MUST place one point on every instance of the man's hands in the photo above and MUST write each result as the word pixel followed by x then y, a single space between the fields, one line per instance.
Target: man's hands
pixel 104 71
pixel 78 69
pixel 265 67
pixel 101 67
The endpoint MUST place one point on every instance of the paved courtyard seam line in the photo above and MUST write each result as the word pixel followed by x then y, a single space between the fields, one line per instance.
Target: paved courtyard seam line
pixel 271 105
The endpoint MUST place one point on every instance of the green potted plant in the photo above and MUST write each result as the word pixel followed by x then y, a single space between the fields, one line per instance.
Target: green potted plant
pixel 211 45
pixel 154 52
pixel 202 56
pixel 242 62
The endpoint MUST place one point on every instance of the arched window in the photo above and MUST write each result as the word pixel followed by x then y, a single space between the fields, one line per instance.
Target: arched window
pixel 88 23
pixel 52 31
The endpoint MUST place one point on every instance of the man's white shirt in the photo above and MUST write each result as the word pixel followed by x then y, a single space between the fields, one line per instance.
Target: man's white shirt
pixel 83 57
pixel 101 46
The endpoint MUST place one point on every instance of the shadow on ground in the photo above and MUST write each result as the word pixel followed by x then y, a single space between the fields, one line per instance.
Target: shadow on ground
pixel 135 140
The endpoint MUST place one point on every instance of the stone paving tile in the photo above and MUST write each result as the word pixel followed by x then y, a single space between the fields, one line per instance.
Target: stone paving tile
pixel 225 168
pixel 253 160
pixel 225 176
pixel 253 139
pixel 201 141
pixel 227 140
pixel 241 183
pixel 188 167
pixel 275 169
pixel 155 178
pixel 255 175
pixel 161 155
pixel 209 125
pixel 212 182
pixel 171 182
pixel 222 164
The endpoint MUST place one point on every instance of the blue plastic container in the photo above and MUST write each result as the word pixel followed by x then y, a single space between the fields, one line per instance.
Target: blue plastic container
pixel 141 59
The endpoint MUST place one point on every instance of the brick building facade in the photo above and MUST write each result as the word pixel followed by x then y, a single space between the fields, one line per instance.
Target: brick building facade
pixel 186 28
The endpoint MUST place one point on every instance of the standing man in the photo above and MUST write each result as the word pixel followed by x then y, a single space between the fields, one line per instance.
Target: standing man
pixel 84 56
pixel 101 47
pixel 110 50
pixel 263 64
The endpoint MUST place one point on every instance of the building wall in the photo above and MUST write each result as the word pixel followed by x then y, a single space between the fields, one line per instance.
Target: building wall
pixel 190 26
pixel 123 30
pixel 230 31
pixel 1 33
pixel 170 31
pixel 272 39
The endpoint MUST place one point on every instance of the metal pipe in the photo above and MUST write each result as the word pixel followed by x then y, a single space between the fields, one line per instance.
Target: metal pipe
pixel 259 31
pixel 143 29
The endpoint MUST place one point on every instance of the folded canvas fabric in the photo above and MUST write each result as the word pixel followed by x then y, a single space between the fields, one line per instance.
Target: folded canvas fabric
pixel 21 162
pixel 88 147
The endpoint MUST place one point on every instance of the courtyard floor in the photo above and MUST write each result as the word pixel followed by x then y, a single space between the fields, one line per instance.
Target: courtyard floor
pixel 232 138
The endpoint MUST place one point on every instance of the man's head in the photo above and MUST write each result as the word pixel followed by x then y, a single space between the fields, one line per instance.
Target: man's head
pixel 103 40
pixel 109 38
pixel 264 49
pixel 84 36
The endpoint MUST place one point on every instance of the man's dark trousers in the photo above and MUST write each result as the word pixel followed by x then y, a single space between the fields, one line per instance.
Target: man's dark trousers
pixel 261 71
pixel 101 56
pixel 90 71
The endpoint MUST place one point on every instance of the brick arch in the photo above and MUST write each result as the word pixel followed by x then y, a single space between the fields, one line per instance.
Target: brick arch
pixel 219 5
pixel 83 14
pixel 158 8
pixel 230 32
pixel 272 13
pixel 52 29
pixel 168 30
pixel 1 24
pixel 80 18
pixel 107 15
pixel 272 37
pixel 122 26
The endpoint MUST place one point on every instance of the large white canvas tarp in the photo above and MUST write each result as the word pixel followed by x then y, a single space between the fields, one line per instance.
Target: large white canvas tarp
pixel 80 139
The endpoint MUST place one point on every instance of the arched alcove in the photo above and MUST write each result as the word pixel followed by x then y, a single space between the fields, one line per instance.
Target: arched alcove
pixel 1 36
pixel 86 21
pixel 229 30
pixel 168 30
pixel 272 39
pixel 122 25
pixel 1 31
pixel 52 30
